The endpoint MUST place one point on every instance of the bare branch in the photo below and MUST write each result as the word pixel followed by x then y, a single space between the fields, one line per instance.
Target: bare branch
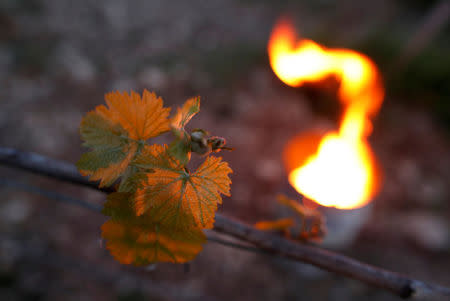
pixel 50 194
pixel 98 209
pixel 398 284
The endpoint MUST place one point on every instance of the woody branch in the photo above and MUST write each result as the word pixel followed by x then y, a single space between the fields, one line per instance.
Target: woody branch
pixel 398 284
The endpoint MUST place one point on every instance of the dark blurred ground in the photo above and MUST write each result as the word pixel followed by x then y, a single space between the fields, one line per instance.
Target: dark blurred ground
pixel 58 58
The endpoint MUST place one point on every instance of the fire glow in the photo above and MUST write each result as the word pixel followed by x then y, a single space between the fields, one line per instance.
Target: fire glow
pixel 338 169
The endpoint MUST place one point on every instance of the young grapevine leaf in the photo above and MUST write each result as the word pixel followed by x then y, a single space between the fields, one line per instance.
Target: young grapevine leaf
pixel 174 197
pixel 311 223
pixel 185 113
pixel 141 241
pixel 160 209
pixel 157 156
pixel 180 148
pixel 142 117
pixel 111 151
pixel 114 133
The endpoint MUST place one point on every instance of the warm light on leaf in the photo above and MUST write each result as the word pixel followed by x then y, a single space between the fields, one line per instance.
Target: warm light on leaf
pixel 142 117
pixel 180 147
pixel 113 133
pixel 157 156
pixel 160 209
pixel 141 241
pixel 185 113
pixel 175 197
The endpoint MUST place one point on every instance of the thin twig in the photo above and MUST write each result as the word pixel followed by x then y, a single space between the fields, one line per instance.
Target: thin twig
pixel 398 284
pixel 98 209
pixel 50 194
pixel 42 165
pixel 236 245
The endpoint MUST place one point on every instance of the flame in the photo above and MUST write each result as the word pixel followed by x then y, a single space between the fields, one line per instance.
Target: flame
pixel 338 170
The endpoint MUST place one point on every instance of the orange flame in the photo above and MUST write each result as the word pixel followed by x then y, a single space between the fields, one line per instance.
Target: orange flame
pixel 338 170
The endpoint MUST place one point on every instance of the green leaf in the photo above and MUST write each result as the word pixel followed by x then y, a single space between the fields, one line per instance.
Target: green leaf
pixel 180 148
pixel 111 150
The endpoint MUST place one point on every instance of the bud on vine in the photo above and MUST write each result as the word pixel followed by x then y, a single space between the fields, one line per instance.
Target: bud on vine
pixel 217 143
pixel 199 142
pixel 204 145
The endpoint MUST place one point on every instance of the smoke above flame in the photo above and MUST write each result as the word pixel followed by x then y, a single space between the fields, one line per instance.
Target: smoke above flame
pixel 339 169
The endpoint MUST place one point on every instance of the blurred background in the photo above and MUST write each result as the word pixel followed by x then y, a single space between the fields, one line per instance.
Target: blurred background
pixel 59 57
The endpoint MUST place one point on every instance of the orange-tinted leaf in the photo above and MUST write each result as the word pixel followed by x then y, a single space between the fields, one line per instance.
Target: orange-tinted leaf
pixel 142 117
pixel 143 245
pixel 213 173
pixel 174 197
pixel 112 133
pixel 185 113
pixel 157 156
pixel 180 148
pixel 160 208
pixel 312 221
pixel 140 241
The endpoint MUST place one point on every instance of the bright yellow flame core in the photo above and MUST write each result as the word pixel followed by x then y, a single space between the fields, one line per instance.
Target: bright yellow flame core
pixel 342 172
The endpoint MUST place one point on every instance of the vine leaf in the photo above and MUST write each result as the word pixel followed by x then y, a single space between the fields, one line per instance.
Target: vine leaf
pixel 114 133
pixel 313 222
pixel 180 147
pixel 142 117
pixel 157 156
pixel 174 197
pixel 141 241
pixel 160 209
pixel 185 113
